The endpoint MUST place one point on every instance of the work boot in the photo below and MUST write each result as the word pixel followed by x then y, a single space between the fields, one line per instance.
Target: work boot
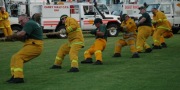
pixel 139 51
pixel 117 55
pixel 17 80
pixel 156 47
pixel 55 67
pixel 148 50
pixel 152 44
pixel 74 69
pixel 98 62
pixel 87 61
pixel 11 79
pixel 163 45
pixel 135 55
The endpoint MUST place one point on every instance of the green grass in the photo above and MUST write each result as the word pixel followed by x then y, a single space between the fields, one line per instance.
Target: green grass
pixel 159 70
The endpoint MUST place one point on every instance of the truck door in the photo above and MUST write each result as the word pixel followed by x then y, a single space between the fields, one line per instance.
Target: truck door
pixel 74 12
pixel 88 15
pixel 176 13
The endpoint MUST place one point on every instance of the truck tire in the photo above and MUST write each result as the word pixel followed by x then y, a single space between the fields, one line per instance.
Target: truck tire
pixel 51 36
pixel 175 30
pixel 1 33
pixel 113 32
pixel 61 36
pixel 16 29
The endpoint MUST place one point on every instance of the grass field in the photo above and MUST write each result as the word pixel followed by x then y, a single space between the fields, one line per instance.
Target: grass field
pixel 159 70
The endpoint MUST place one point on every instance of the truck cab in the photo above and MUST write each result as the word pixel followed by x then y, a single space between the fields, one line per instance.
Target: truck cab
pixel 84 13
pixel 88 13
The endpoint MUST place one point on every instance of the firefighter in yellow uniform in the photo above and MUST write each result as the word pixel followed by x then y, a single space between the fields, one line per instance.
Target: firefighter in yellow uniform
pixel 33 45
pixel 72 47
pixel 1 23
pixel 99 45
pixel 5 22
pixel 129 37
pixel 161 24
pixel 166 34
pixel 144 31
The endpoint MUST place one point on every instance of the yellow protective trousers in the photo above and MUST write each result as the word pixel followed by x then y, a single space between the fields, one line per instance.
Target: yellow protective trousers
pixel 1 21
pixel 124 42
pixel 162 40
pixel 97 48
pixel 31 49
pixel 143 33
pixel 7 31
pixel 157 35
pixel 71 50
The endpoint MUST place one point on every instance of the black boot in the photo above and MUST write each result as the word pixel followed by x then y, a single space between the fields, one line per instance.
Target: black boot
pixel 148 50
pixel 17 80
pixel 98 62
pixel 163 45
pixel 135 55
pixel 117 55
pixel 11 79
pixel 156 47
pixel 152 44
pixel 55 67
pixel 74 69
pixel 87 61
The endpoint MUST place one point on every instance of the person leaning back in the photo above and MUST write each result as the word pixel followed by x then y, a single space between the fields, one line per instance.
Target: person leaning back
pixel 32 36
pixel 144 31
pixel 129 37
pixel 72 47
pixel 99 45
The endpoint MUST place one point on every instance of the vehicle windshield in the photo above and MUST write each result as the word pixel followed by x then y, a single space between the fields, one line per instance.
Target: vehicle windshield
pixel 152 6
pixel 103 8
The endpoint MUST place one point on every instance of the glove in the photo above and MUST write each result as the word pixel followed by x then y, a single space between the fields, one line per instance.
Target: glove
pixel 124 28
pixel 154 22
pixel 137 24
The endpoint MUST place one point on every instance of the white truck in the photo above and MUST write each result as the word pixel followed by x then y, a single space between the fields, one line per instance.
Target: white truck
pixel 171 10
pixel 84 13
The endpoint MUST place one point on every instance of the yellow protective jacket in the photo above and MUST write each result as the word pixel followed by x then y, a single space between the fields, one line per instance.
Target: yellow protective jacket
pixel 169 25
pixel 5 20
pixel 1 21
pixel 160 21
pixel 74 32
pixel 131 28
